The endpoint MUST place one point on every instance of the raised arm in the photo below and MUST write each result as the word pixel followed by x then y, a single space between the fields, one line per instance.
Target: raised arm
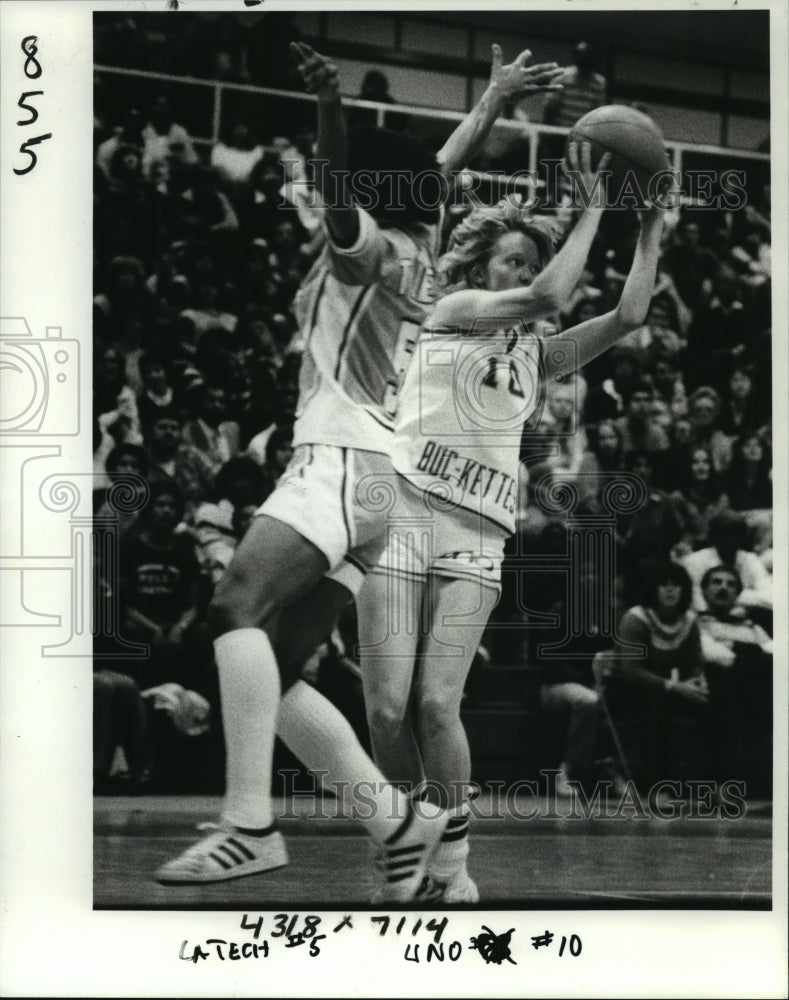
pixel 590 339
pixel 543 297
pixel 331 173
pixel 507 83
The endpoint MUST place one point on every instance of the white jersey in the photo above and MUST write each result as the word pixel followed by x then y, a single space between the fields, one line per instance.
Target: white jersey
pixel 463 408
pixel 360 310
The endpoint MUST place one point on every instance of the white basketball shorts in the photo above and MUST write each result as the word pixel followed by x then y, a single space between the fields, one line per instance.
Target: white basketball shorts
pixel 424 535
pixel 336 498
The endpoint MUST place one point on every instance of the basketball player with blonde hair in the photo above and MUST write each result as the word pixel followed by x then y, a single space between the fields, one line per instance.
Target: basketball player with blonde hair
pixel 479 375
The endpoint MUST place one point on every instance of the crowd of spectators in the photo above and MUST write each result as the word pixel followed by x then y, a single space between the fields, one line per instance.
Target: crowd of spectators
pixel 199 254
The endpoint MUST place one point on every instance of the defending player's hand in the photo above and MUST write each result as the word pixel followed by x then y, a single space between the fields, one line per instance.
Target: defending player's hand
pixel 578 166
pixel 516 79
pixel 318 72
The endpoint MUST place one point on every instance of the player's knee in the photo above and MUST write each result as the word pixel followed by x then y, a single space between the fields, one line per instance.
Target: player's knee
pixel 387 719
pixel 230 607
pixel 437 715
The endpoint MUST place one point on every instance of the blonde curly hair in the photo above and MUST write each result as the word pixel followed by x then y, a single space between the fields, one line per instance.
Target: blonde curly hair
pixel 473 240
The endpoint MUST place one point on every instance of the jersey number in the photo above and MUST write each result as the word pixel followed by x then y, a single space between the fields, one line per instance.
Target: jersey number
pixel 492 378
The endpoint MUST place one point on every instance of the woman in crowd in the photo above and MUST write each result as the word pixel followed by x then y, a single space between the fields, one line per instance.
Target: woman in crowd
pixel 749 477
pixel 738 414
pixel 648 694
pixel 698 498
pixel 704 410
pixel 603 456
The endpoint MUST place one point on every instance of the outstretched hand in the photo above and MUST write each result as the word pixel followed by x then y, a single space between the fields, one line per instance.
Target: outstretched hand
pixel 516 79
pixel 578 167
pixel 318 72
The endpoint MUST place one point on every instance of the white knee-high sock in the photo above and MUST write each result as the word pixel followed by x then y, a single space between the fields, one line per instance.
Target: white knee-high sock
pixel 452 852
pixel 250 689
pixel 323 740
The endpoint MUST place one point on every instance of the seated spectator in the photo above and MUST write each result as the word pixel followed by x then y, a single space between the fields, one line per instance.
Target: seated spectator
pixel 662 686
pixel 193 207
pixel 681 434
pixel 704 408
pixel 532 517
pixel 649 534
pixel 375 87
pixel 279 451
pixel 215 539
pixel 263 206
pixel 125 460
pixel 216 438
pixel 123 297
pixel 568 688
pixel 118 721
pixel 282 409
pixel 727 548
pixel 604 454
pixel 721 334
pixel 667 383
pixel 739 413
pixel 655 334
pixel 607 400
pixel 660 415
pixel 724 630
pixel 698 498
pixel 160 134
pixel 753 259
pixel 235 155
pixel 678 315
pixel 582 90
pixel 691 264
pixel 749 476
pixel 561 427
pixel 739 656
pixel 639 432
pixel 159 579
pixel 241 482
pixel 157 393
pixel 116 420
pixel 171 459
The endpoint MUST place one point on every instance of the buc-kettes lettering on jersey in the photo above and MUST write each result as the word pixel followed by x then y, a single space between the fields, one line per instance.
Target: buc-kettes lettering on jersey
pixel 360 310
pixel 463 407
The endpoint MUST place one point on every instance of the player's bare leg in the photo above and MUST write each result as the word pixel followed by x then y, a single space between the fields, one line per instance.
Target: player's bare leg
pixel 302 611
pixel 459 611
pixel 389 615
pixel 248 600
pixel 321 737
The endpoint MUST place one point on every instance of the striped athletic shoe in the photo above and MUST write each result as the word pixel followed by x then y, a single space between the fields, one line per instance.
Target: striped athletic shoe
pixel 404 857
pixel 227 852
pixel 459 888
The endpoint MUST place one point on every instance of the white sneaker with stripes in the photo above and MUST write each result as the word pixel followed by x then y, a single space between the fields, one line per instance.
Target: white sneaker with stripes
pixel 405 855
pixel 227 852
pixel 458 888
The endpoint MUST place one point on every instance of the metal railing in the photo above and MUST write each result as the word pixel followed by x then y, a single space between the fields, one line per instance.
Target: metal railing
pixel 532 132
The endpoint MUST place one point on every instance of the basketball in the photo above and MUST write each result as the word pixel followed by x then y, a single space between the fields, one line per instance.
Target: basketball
pixel 634 141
